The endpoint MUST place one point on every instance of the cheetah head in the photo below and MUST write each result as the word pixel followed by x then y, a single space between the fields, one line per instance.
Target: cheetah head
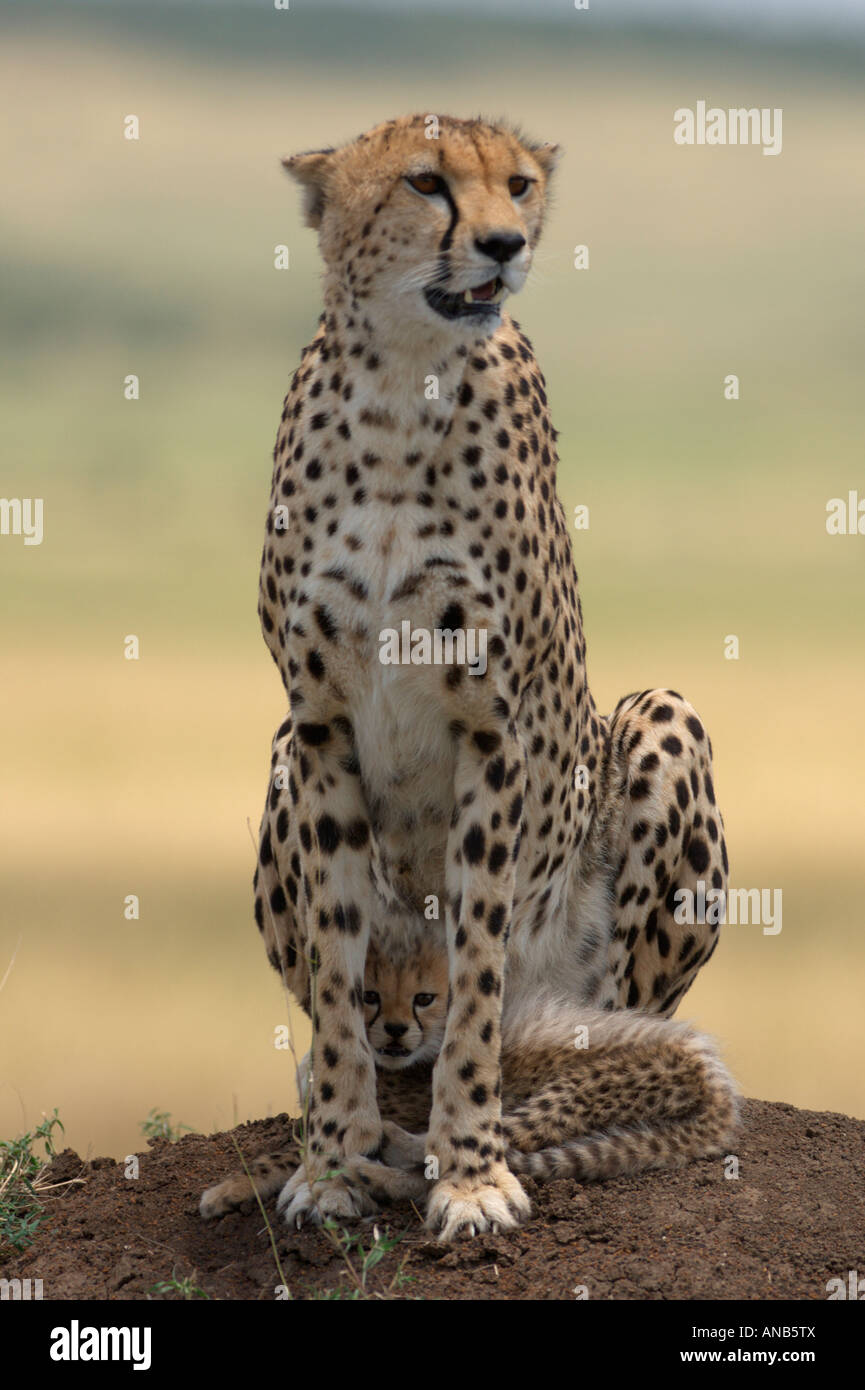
pixel 428 221
pixel 405 1007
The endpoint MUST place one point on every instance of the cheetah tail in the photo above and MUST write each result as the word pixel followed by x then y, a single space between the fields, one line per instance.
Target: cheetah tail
pixel 702 1133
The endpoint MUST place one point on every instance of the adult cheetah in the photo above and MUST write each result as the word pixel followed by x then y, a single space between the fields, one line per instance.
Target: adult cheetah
pixel 414 493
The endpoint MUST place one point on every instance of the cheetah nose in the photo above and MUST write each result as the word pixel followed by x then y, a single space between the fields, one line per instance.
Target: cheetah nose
pixel 501 248
pixel 395 1030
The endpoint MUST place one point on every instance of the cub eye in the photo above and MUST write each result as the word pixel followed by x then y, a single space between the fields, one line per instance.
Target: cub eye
pixel 517 185
pixel 371 997
pixel 422 1001
pixel 425 183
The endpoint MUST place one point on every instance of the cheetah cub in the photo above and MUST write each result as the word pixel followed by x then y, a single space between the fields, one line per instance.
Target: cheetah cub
pixel 585 1093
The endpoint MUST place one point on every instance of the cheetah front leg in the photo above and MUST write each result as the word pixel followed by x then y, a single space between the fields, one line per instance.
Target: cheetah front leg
pixel 335 842
pixel 475 1190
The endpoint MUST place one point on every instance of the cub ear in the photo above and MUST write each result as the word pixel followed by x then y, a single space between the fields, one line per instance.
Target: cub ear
pixel 548 156
pixel 311 171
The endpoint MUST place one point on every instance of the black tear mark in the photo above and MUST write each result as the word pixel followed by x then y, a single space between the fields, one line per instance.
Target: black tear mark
pixel 447 240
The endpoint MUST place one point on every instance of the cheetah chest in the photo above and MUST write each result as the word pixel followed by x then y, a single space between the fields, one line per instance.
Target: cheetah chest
pixel 387 668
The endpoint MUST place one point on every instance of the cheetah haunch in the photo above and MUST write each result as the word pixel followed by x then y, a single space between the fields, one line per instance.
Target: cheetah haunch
pixel 414 482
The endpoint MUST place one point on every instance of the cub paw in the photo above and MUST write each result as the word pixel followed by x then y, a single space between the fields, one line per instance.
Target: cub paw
pixel 460 1208
pixel 225 1196
pixel 264 1176
pixel 399 1149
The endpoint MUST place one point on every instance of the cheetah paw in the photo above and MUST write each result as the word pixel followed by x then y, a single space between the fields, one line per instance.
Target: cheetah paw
pixel 216 1201
pixel 328 1199
pixel 461 1208
pixel 235 1192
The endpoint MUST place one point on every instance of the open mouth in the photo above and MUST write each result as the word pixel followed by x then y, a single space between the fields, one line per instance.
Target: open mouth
pixel 394 1050
pixel 477 302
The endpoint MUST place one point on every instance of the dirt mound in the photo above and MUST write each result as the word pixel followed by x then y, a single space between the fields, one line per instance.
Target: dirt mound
pixel 792 1220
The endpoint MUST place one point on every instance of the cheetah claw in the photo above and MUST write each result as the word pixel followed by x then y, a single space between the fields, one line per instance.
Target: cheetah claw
pixel 464 1209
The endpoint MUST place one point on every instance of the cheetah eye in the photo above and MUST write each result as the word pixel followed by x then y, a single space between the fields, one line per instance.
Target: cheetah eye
pixel 371 997
pixel 517 185
pixel 427 184
pixel 423 1001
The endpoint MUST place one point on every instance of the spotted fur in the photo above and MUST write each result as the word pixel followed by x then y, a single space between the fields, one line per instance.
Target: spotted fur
pixel 414 481
pixel 585 1093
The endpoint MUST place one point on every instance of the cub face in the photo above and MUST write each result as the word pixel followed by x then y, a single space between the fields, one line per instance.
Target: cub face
pixel 405 1008
pixel 432 231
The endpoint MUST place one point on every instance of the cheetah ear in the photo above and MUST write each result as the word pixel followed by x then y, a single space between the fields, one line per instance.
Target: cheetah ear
pixel 548 156
pixel 310 170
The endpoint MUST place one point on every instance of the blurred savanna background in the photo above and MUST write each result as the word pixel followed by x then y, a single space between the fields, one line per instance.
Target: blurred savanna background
pixel 155 257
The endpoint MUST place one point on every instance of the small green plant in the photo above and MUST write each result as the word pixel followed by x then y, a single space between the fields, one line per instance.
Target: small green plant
pixel 158 1126
pixel 401 1280
pixel 334 1295
pixel 360 1261
pixel 184 1288
pixel 21 1182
